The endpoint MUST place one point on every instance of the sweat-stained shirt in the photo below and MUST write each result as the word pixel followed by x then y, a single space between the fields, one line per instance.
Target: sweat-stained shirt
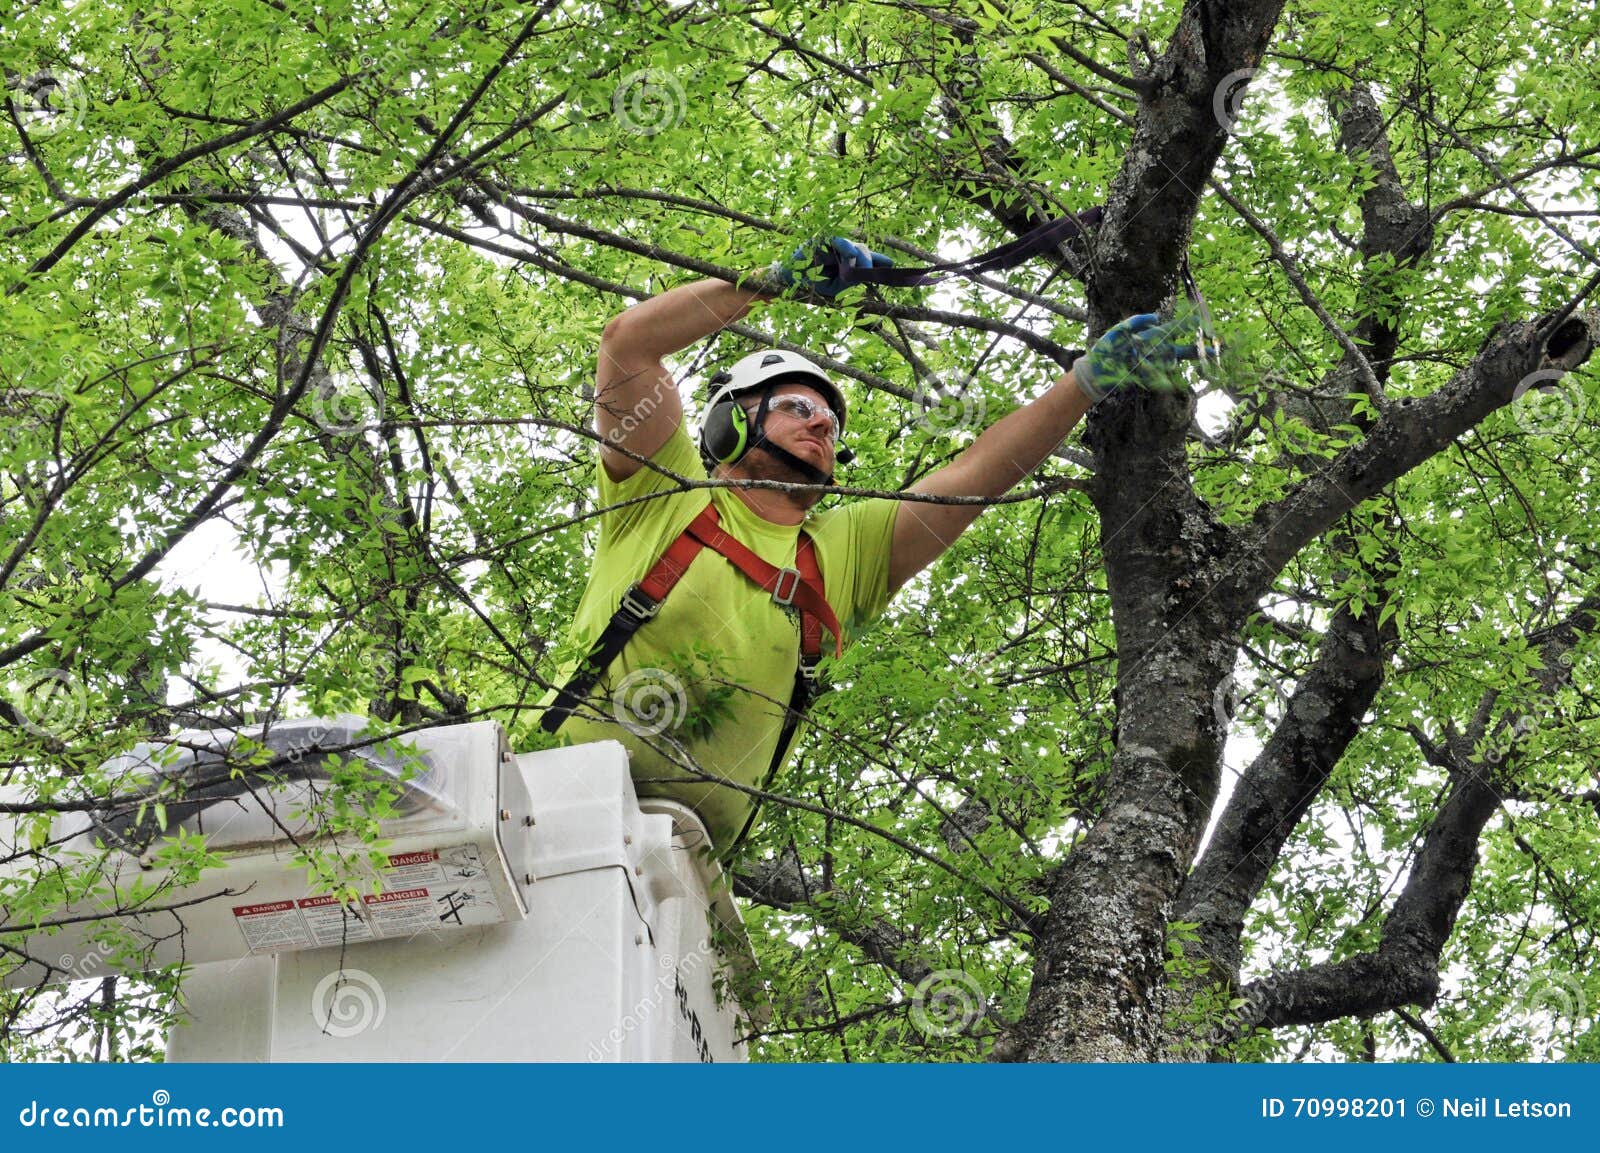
pixel 714 670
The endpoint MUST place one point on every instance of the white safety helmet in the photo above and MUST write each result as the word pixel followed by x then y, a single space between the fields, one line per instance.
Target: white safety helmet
pixel 760 369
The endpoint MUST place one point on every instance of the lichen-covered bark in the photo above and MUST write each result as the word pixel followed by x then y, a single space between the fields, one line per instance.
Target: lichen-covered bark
pixel 1182 584
pixel 1278 787
pixel 1177 139
pixel 1096 992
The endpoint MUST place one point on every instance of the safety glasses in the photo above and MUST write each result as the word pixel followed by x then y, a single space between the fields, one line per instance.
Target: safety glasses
pixel 803 408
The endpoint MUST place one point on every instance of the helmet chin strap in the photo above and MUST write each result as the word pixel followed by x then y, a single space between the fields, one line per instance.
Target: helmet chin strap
pixel 804 467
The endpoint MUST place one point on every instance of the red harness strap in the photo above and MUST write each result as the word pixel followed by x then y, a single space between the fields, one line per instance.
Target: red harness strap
pixel 801 586
pixel 788 586
pixel 665 573
pixel 805 559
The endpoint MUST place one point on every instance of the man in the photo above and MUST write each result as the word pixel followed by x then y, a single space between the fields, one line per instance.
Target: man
pixel 705 678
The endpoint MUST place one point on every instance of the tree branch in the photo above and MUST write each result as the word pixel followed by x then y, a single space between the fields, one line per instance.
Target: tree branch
pixel 1176 142
pixel 1321 719
pixel 781 883
pixel 1404 969
pixel 1412 432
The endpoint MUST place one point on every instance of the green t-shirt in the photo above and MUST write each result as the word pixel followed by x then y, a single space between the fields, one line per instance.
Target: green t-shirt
pixel 707 681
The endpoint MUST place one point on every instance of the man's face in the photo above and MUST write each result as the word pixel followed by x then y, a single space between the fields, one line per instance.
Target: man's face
pixel 809 439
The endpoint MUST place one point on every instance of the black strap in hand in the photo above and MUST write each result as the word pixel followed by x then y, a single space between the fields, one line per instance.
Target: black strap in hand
pixel 1045 238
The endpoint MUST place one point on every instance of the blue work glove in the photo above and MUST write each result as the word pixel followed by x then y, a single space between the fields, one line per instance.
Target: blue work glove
pixel 1133 350
pixel 827 259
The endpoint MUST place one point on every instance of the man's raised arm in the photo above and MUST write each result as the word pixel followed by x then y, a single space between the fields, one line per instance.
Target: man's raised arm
pixel 636 402
pixel 1008 450
pixel 1015 444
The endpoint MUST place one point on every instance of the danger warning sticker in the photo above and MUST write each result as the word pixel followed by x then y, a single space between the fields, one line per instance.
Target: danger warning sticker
pixel 421 892
pixel 269 927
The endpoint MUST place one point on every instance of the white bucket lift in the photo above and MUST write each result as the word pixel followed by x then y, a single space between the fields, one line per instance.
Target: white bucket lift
pixel 531 909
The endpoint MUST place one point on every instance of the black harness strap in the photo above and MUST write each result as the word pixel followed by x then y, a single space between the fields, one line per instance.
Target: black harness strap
pixel 643 601
pixel 639 604
pixel 805 685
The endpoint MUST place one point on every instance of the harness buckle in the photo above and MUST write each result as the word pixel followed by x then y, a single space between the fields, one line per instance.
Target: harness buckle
pixel 778 594
pixel 640 603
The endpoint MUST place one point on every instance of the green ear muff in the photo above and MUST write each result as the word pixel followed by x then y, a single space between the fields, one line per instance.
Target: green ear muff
pixel 739 421
pixel 726 433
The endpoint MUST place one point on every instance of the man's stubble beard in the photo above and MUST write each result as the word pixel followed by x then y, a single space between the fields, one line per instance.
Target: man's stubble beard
pixel 759 465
